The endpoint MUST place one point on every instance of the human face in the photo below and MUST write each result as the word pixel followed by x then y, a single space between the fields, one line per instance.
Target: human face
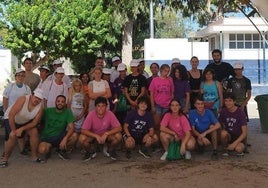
pixel 99 63
pixel 141 66
pixel 60 103
pixel 175 107
pixel 216 57
pixel 123 73
pixel 116 63
pixel 43 74
pixel 209 75
pixel 106 77
pixel 97 74
pixel 229 103
pixel 238 72
pixel 154 69
pixel 100 109
pixel 85 79
pixel 142 106
pixel 77 87
pixel 36 100
pixel 28 64
pixel 59 76
pixel 177 74
pixel 134 69
pixel 199 105
pixel 20 77
pixel 55 66
pixel 165 72
pixel 194 63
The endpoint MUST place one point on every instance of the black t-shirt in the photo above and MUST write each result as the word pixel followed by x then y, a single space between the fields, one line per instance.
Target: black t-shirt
pixel 222 70
pixel 134 85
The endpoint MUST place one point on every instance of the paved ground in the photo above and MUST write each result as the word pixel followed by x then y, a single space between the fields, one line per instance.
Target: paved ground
pixel 248 171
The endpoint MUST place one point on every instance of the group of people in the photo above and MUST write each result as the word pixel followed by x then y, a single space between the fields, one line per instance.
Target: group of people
pixel 111 108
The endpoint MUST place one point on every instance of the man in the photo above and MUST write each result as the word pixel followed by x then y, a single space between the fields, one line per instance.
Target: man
pixel 114 74
pixel 56 64
pixel 240 86
pixel 142 67
pixel 31 79
pixel 134 84
pixel 204 126
pixel 54 87
pixel 58 130
pixel 22 118
pixel 222 70
pixel 99 62
pixel 100 126
pixel 234 124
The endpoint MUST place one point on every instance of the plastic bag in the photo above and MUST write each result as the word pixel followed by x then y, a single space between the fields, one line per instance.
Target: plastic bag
pixel 174 151
pixel 122 103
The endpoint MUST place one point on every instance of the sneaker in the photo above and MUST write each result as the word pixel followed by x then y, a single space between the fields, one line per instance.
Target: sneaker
pixel 105 151
pixel 39 160
pixel 214 155
pixel 164 156
pixel 240 154
pixel 225 154
pixel 188 155
pixel 63 155
pixel 88 156
pixel 113 155
pixel 3 164
pixel 128 154
pixel 143 151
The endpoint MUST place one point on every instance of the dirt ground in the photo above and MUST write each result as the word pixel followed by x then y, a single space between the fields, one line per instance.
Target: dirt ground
pixel 250 170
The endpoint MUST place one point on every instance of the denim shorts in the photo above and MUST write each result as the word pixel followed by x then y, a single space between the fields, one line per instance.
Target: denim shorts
pixel 159 109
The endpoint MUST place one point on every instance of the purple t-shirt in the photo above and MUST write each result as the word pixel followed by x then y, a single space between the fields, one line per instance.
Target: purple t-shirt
pixel 138 125
pixel 100 125
pixel 162 89
pixel 233 121
pixel 179 124
pixel 181 87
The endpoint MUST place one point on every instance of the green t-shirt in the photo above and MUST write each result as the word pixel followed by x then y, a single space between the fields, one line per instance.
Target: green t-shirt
pixel 56 123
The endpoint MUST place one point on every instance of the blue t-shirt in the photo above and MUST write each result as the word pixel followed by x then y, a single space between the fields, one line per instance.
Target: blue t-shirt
pixel 138 125
pixel 201 122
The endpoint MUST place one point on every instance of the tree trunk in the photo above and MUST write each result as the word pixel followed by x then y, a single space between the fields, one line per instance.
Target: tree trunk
pixel 127 42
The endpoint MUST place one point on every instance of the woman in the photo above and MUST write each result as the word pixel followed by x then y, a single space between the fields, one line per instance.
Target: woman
pixel 175 126
pixel 98 88
pixel 84 77
pixel 195 76
pixel 212 91
pixel 154 67
pixel 14 90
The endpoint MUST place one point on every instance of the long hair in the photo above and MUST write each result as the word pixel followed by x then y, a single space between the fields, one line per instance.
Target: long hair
pixel 182 70
pixel 180 111
pixel 72 91
pixel 206 71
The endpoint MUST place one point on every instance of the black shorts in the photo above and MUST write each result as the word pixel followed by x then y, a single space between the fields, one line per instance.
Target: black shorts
pixel 54 140
pixel 8 129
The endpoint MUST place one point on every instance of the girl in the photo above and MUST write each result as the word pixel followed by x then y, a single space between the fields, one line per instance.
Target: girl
pixel 98 88
pixel 175 126
pixel 195 77
pixel 154 67
pixel 77 104
pixel 181 87
pixel 212 91
pixel 161 92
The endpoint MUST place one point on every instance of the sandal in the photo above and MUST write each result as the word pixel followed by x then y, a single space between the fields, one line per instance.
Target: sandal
pixel 3 164
pixel 38 160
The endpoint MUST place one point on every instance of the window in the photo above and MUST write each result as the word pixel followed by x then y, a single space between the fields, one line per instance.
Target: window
pixel 245 41
pixel 212 45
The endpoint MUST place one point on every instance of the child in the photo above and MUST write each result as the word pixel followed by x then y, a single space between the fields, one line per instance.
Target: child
pixel 181 87
pixel 77 104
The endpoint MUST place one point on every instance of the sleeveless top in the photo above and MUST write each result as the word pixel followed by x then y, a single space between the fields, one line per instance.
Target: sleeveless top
pixel 195 82
pixel 24 115
pixel 210 93
pixel 77 101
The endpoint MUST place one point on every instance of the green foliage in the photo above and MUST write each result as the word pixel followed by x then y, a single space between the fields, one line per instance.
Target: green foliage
pixel 77 29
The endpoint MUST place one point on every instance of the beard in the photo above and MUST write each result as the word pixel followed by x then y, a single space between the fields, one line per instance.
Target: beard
pixel 217 61
pixel 59 107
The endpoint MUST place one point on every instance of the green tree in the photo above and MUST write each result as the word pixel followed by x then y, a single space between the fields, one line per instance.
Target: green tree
pixel 76 29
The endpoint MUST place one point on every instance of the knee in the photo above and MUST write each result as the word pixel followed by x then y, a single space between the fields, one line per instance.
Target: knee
pixel 82 139
pixel 224 134
pixel 129 144
pixel 191 144
pixel 42 149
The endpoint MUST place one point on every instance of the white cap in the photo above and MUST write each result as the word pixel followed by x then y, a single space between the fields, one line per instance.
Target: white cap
pixel 106 71
pixel 19 70
pixel 140 60
pixel 43 67
pixel 57 62
pixel 134 63
pixel 60 70
pixel 121 67
pixel 116 58
pixel 176 60
pixel 38 93
pixel 238 65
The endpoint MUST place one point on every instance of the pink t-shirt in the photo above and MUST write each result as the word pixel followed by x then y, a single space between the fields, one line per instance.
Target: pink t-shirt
pixel 100 125
pixel 179 124
pixel 162 89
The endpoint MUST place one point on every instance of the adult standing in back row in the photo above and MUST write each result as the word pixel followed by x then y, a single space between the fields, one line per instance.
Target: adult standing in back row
pixel 221 69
